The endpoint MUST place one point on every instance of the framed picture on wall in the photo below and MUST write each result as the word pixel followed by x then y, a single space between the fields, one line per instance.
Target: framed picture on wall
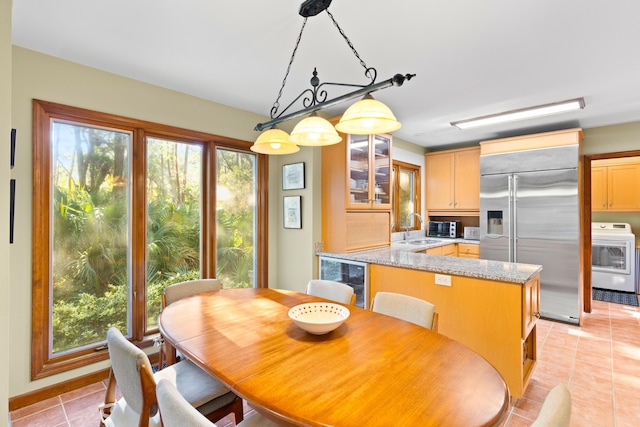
pixel 292 212
pixel 293 176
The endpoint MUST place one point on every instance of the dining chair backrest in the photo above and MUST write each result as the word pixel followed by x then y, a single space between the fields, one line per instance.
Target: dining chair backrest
pixel 175 411
pixel 173 293
pixel 126 360
pixel 335 291
pixel 405 307
pixel 556 409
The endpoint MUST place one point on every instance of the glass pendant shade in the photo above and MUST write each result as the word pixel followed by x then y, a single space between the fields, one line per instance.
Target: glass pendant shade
pixel 274 141
pixel 314 131
pixel 368 116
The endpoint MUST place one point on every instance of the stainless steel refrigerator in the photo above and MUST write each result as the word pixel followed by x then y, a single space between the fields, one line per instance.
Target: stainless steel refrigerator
pixel 530 213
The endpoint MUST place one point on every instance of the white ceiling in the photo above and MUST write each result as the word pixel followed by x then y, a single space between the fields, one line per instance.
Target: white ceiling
pixel 471 58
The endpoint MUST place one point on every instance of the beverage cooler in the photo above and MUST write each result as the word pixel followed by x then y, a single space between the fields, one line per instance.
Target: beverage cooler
pixel 352 273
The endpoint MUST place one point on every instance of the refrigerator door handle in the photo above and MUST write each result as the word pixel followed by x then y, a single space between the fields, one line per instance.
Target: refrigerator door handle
pixel 509 210
pixel 514 196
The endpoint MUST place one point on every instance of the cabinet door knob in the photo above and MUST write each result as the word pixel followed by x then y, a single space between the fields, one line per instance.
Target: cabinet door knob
pixel 537 314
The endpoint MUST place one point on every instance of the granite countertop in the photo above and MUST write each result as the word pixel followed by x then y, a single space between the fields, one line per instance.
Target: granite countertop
pixel 405 256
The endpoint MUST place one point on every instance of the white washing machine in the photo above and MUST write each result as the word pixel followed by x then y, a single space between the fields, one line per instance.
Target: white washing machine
pixel 613 247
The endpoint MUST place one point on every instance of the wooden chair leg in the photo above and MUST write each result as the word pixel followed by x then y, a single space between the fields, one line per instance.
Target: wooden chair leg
pixel 234 407
pixel 109 397
pixel 238 409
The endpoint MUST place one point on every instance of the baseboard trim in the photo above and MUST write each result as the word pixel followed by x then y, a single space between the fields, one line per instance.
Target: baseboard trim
pixel 44 393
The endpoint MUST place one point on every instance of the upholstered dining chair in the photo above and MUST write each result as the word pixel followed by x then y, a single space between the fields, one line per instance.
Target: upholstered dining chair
pixel 556 409
pixel 335 291
pixel 131 372
pixel 173 293
pixel 175 411
pixel 405 307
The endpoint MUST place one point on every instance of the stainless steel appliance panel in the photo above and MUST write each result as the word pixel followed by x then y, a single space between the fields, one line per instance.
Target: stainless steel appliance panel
pixel 531 215
pixel 495 223
pixel 547 232
pixel 541 159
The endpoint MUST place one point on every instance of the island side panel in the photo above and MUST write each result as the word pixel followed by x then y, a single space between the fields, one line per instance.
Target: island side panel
pixel 484 315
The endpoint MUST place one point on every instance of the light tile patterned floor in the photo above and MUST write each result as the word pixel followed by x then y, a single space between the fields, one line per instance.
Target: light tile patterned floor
pixel 600 363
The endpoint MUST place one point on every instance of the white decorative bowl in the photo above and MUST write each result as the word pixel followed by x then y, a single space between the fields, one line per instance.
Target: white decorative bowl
pixel 319 318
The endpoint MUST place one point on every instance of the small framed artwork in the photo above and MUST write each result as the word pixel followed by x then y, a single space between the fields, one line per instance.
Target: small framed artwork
pixel 293 176
pixel 292 212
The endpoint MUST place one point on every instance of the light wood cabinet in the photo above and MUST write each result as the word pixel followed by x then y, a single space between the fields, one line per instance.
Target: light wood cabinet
pixel 356 198
pixel 369 165
pixel 495 319
pixel 446 250
pixel 453 182
pixel 615 185
pixel 468 250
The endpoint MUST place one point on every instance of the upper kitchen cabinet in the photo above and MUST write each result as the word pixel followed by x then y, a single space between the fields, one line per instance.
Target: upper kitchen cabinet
pixel 615 185
pixel 356 197
pixel 453 182
pixel 369 165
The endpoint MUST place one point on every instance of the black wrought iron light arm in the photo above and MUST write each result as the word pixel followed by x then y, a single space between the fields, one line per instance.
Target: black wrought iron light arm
pixel 314 104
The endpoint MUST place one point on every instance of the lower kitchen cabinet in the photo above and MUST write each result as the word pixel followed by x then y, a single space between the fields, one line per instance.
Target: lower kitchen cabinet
pixel 469 250
pixel 495 319
pixel 446 250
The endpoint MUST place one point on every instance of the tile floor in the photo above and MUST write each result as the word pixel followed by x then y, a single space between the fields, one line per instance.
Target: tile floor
pixel 600 363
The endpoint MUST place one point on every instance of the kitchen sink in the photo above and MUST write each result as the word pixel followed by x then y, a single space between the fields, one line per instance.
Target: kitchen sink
pixel 418 242
pixel 423 241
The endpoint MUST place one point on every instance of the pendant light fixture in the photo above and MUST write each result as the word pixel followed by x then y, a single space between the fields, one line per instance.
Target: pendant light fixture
pixel 274 141
pixel 314 131
pixel 367 116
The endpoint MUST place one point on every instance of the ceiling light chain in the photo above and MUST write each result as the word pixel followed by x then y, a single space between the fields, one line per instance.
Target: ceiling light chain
pixel 353 49
pixel 276 104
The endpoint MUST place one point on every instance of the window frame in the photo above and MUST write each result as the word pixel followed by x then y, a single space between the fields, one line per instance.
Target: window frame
pixel 396 166
pixel 43 362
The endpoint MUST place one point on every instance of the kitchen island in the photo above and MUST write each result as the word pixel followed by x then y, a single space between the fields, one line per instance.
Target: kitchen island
pixel 490 306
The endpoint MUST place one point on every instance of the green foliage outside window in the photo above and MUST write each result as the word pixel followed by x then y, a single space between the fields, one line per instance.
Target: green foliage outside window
pixel 91 223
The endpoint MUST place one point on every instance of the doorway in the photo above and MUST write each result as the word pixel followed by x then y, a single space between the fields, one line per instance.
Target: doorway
pixel 587 294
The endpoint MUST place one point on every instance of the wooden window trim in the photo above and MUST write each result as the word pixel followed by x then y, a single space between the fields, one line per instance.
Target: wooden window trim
pixel 43 364
pixel 398 226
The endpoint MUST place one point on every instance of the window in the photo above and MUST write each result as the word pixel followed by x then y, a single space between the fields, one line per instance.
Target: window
pixel 406 195
pixel 123 208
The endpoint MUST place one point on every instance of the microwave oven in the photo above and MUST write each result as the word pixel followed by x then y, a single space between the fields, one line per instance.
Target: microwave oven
pixel 450 229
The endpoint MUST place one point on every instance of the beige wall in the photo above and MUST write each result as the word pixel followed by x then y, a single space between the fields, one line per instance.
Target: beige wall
pixel 5 176
pixel 294 255
pixel 611 139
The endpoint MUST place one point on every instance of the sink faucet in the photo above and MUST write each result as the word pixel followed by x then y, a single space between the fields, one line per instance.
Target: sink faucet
pixel 406 223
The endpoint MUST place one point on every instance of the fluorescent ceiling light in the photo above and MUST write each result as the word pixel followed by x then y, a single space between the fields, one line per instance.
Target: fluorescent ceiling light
pixel 525 113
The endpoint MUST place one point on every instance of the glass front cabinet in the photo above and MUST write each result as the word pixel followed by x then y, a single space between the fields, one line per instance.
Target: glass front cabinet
pixel 369 171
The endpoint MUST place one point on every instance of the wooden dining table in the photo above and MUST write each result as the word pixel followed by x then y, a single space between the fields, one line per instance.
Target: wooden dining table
pixel 374 370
